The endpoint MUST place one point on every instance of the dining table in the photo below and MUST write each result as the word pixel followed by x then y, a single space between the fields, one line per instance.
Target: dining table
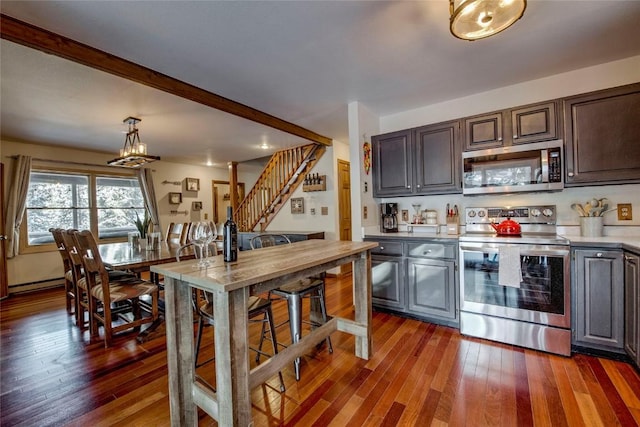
pixel 232 283
pixel 127 257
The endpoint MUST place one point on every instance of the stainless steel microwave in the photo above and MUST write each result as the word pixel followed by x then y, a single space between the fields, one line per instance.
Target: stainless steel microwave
pixel 517 168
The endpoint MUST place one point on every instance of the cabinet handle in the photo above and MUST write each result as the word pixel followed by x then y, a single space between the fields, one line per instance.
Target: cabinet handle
pixel 382 248
pixel 500 139
pixel 629 259
pixel 418 186
pixel 570 174
pixel 599 254
pixel 515 136
pixel 426 252
pixel 409 187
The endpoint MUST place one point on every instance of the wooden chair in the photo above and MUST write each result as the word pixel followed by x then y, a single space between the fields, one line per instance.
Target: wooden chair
pixel 69 282
pixel 79 280
pixel 176 233
pixel 202 302
pixel 103 293
pixel 294 292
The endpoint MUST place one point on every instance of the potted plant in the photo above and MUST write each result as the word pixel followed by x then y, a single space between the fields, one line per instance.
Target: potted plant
pixel 143 227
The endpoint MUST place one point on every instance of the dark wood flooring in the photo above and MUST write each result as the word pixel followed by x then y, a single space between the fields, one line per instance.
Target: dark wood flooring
pixel 420 374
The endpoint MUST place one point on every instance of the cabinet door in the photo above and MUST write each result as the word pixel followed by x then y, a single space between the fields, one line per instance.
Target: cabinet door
pixel 387 282
pixel 484 131
pixel 431 287
pixel 602 135
pixel 632 306
pixel 391 158
pixel 437 159
pixel 599 309
pixel 534 123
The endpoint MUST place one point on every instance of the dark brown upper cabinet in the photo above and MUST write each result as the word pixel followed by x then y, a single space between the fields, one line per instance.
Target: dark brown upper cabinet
pixel 424 160
pixel 521 125
pixel 602 137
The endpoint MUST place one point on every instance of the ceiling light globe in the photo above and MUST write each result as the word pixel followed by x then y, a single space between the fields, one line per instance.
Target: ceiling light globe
pixel 477 19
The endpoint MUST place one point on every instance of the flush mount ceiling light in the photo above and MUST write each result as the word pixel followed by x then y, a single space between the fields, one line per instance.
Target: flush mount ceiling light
pixel 477 19
pixel 134 153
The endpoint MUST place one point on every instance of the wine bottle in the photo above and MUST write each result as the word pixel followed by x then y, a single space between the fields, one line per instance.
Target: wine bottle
pixel 230 233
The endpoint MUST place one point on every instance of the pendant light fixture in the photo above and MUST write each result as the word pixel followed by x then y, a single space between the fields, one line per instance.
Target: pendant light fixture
pixel 477 19
pixel 134 153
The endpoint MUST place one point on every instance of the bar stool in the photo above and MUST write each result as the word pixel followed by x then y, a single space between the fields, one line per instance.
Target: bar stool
pixel 294 292
pixel 202 303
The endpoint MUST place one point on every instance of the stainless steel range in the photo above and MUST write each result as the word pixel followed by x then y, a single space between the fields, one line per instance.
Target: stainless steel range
pixel 516 289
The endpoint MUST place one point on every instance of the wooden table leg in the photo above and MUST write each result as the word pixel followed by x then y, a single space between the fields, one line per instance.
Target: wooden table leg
pixel 232 357
pixel 179 321
pixel 362 302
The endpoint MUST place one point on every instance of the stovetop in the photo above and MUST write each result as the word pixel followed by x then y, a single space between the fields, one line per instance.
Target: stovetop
pixel 538 224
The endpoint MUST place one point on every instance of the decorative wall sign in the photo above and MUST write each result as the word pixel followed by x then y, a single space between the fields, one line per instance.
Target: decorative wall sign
pixel 175 198
pixel 366 161
pixel 193 184
pixel 297 205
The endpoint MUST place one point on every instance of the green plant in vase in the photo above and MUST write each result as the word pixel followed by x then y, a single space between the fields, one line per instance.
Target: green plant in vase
pixel 143 227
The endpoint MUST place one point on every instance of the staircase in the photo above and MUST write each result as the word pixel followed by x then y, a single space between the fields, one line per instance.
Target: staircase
pixel 281 176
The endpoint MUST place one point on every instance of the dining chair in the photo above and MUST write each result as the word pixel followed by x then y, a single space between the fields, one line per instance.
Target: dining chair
pixel 103 294
pixel 202 302
pixel 177 233
pixel 78 279
pixel 294 292
pixel 69 283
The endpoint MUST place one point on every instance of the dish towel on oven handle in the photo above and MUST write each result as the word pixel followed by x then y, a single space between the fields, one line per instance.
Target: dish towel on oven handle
pixel 509 271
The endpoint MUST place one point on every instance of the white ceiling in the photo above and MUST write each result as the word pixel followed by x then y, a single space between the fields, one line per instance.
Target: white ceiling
pixel 301 61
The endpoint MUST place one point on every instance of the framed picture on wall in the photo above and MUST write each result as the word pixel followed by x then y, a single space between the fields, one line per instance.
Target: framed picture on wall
pixel 297 205
pixel 193 184
pixel 175 198
pixel 196 206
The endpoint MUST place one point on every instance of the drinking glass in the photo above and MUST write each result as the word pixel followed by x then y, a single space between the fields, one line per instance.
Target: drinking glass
pixel 201 235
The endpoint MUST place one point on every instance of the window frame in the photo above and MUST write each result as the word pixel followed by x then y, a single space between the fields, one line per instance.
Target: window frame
pixel 93 175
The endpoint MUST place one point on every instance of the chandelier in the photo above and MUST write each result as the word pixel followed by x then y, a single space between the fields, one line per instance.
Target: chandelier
pixel 134 153
pixel 477 19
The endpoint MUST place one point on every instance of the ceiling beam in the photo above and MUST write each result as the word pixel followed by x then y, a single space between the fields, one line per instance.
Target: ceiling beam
pixel 37 38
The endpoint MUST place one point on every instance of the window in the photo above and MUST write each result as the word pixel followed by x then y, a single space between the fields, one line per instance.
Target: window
pixel 105 204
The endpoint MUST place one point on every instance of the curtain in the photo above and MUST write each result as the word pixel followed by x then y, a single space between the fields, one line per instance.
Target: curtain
pixel 17 203
pixel 145 179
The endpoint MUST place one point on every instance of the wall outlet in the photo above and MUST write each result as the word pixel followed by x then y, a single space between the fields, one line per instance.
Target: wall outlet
pixel 625 212
pixel 365 213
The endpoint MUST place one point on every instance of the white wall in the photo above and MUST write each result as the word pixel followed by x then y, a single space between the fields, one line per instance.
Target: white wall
pixel 598 77
pixel 21 268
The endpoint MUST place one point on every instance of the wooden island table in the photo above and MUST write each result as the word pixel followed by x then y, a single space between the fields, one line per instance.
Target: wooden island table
pixel 255 272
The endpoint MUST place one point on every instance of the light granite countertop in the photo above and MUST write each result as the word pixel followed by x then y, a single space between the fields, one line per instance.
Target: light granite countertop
pixel 631 243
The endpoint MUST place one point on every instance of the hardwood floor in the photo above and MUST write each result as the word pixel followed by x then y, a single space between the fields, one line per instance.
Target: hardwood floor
pixel 420 374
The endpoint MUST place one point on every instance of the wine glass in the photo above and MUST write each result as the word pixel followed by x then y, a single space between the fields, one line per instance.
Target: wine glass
pixel 201 235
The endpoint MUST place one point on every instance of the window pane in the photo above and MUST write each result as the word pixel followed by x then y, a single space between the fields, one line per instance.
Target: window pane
pixel 56 200
pixel 118 200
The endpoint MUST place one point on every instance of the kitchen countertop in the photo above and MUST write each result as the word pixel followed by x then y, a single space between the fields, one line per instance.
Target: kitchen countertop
pixel 630 243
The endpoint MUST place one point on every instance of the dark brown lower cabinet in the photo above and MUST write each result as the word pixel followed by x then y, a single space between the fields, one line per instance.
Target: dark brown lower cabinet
pixel 598 309
pixel 632 306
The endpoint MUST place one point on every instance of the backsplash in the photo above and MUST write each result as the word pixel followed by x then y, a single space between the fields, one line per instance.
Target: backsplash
pixel 567 218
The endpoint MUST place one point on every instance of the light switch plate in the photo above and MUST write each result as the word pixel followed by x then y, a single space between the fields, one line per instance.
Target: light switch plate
pixel 625 212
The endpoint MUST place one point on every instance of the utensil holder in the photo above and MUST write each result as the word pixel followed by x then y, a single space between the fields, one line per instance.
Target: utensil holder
pixel 453 226
pixel 591 226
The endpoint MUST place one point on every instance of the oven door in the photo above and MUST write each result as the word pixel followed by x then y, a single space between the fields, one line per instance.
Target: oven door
pixel 543 295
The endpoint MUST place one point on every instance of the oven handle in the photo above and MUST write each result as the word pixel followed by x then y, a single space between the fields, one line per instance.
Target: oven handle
pixel 525 250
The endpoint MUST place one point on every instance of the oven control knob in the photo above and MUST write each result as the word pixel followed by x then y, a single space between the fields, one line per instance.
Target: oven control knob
pixel 547 212
pixel 471 214
pixel 481 214
pixel 535 212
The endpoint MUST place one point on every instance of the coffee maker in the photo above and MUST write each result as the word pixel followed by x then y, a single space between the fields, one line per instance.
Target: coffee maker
pixel 389 218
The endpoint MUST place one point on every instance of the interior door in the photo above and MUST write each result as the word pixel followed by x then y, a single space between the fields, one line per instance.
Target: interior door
pixel 4 282
pixel 344 205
